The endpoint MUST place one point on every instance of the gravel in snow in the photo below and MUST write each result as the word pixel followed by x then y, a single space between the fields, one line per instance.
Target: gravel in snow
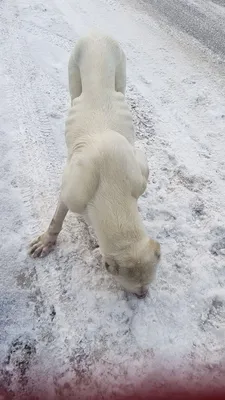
pixel 62 318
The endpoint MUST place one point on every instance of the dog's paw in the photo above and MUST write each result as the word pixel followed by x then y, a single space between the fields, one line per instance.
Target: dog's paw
pixel 41 246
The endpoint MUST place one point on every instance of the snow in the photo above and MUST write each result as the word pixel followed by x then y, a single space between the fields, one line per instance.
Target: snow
pixel 63 318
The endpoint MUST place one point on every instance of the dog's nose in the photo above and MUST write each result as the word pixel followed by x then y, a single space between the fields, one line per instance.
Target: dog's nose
pixel 142 294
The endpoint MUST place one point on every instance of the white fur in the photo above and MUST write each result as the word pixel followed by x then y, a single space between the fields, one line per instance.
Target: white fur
pixel 104 175
pixel 102 163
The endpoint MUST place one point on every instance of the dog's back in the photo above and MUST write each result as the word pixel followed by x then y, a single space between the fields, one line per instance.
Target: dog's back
pixel 97 82
pixel 97 57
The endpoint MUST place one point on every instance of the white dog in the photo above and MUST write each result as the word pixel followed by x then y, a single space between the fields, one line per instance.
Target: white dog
pixel 104 175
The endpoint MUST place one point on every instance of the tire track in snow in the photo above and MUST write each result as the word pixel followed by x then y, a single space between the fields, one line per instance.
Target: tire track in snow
pixel 39 142
pixel 46 34
pixel 37 155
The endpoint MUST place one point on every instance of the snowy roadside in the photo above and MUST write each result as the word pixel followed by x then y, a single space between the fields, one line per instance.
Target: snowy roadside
pixel 62 317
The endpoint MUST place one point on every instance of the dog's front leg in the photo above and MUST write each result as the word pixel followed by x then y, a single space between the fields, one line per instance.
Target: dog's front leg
pixel 42 245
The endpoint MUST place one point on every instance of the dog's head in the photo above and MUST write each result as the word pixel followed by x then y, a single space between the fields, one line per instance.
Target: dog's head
pixel 135 268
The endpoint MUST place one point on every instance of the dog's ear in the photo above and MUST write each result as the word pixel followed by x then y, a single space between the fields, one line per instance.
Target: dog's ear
pixel 112 269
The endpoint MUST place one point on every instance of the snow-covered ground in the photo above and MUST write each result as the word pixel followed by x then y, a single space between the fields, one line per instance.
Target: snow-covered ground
pixel 63 318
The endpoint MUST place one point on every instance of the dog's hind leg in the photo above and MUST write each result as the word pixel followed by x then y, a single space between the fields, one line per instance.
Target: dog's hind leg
pixel 120 81
pixel 143 163
pixel 139 185
pixel 75 85
pixel 42 245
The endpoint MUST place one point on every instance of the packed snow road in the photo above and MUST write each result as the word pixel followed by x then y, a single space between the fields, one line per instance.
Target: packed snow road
pixel 202 19
pixel 63 320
